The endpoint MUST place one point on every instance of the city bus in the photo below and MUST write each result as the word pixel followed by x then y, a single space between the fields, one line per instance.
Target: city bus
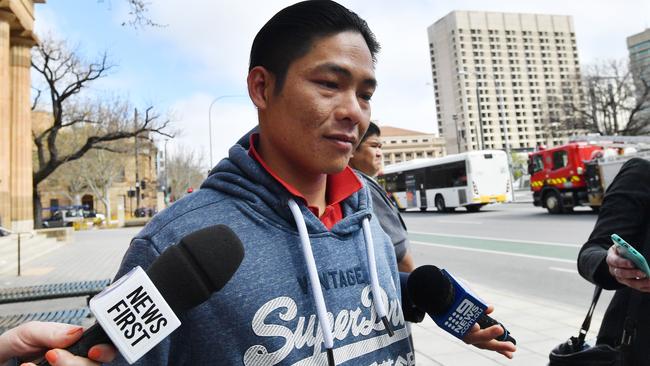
pixel 471 180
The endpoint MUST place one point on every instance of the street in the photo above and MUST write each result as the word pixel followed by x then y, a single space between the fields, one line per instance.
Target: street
pixel 516 248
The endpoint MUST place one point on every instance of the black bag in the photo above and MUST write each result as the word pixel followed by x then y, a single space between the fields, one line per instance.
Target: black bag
pixel 575 352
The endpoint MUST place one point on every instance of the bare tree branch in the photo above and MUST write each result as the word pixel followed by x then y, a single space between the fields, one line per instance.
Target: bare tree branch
pixel 614 105
pixel 80 124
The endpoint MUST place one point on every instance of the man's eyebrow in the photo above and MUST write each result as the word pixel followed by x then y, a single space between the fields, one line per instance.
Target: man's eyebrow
pixel 342 71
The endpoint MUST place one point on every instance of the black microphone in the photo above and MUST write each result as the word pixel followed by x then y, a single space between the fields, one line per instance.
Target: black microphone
pixel 450 304
pixel 185 274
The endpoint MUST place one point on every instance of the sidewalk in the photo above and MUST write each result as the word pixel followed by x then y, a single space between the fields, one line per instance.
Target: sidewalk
pixel 537 324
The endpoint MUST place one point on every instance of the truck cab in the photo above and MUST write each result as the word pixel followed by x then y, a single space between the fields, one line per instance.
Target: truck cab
pixel 557 176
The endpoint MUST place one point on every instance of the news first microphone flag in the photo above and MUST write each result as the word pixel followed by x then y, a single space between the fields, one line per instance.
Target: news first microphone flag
pixel 140 309
pixel 134 314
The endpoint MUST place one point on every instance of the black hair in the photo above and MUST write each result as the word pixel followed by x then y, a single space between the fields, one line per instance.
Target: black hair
pixel 290 33
pixel 373 130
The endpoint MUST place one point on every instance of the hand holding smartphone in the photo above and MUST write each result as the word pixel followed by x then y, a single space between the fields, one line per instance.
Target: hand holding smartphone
pixel 628 252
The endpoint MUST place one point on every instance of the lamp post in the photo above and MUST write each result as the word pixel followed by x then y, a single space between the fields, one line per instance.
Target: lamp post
pixel 502 121
pixel 479 135
pixel 210 118
pixel 166 176
pixel 455 118
pixel 502 115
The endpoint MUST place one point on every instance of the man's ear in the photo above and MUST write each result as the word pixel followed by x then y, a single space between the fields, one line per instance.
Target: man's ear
pixel 260 85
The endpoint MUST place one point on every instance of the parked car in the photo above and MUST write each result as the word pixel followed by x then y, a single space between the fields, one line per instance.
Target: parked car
pixel 92 214
pixel 144 212
pixel 63 218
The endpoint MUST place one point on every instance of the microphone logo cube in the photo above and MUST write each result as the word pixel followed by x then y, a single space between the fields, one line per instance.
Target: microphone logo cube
pixel 466 309
pixel 134 314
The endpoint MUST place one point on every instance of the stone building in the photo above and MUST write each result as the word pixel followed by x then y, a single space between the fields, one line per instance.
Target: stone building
pixel 16 40
pixel 402 145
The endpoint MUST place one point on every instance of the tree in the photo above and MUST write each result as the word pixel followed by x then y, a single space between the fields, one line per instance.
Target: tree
pixel 70 181
pixel 519 164
pixel 138 13
pixel 94 122
pixel 613 104
pixel 183 171
pixel 101 168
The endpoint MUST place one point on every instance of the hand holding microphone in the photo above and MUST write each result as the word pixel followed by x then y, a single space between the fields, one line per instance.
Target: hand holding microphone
pixel 139 310
pixel 457 310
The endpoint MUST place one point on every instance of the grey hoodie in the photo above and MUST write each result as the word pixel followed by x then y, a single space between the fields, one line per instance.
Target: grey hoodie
pixel 271 312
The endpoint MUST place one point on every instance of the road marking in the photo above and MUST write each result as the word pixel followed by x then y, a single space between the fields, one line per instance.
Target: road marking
pixel 459 222
pixel 534 249
pixel 498 239
pixel 567 270
pixel 494 252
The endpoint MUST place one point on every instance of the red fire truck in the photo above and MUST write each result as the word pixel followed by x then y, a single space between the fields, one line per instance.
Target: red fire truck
pixel 578 173
pixel 557 176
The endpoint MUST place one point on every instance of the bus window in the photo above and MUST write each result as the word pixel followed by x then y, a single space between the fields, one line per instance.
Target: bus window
pixel 560 159
pixel 446 175
pixel 393 182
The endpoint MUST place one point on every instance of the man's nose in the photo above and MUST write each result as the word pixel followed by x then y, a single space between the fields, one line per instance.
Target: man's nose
pixel 350 109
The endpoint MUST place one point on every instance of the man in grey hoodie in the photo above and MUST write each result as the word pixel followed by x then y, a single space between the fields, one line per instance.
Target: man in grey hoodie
pixel 367 160
pixel 319 282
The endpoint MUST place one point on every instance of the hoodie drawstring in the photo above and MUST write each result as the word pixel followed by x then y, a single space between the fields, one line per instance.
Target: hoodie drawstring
pixel 314 281
pixel 374 281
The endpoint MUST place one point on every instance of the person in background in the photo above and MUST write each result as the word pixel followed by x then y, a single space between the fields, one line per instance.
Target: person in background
pixel 367 160
pixel 625 211
pixel 30 340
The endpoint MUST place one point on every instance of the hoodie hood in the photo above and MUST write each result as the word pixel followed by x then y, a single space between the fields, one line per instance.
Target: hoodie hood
pixel 243 177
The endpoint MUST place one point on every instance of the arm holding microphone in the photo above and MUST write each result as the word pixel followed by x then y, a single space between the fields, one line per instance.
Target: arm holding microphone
pixel 140 310
pixel 32 339
pixel 428 290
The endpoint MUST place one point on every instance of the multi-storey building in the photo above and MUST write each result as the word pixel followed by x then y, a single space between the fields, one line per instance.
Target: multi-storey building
pixel 504 80
pixel 639 47
pixel 402 145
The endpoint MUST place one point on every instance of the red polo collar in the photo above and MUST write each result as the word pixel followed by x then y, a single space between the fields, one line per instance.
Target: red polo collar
pixel 340 186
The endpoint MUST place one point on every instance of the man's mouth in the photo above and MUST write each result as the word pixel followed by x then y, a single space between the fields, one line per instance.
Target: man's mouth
pixel 343 139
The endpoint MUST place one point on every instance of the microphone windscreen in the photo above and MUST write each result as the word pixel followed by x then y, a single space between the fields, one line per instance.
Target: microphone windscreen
pixel 188 273
pixel 430 290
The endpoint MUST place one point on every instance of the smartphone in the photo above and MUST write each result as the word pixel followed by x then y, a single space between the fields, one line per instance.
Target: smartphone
pixel 628 252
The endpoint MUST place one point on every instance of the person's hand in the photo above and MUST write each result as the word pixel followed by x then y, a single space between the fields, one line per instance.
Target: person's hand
pixel 485 338
pixel 625 272
pixel 30 340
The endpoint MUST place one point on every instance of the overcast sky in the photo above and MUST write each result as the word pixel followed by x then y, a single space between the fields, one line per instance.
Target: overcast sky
pixel 202 53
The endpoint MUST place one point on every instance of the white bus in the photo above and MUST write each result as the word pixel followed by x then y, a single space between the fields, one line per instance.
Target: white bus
pixel 471 179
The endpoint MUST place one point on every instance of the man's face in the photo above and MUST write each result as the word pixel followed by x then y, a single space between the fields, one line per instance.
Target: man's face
pixel 367 157
pixel 317 120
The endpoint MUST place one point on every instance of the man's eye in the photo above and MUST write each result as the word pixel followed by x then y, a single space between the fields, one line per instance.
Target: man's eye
pixel 329 84
pixel 366 97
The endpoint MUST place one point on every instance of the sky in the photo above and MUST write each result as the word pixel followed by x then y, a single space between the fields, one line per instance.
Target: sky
pixel 201 54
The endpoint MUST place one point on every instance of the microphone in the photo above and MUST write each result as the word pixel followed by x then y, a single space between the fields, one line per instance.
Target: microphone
pixel 139 310
pixel 449 303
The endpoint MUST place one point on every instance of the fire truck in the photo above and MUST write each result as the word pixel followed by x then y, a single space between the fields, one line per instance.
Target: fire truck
pixel 578 173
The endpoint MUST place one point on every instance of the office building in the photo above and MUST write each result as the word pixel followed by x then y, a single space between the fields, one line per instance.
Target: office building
pixel 494 69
